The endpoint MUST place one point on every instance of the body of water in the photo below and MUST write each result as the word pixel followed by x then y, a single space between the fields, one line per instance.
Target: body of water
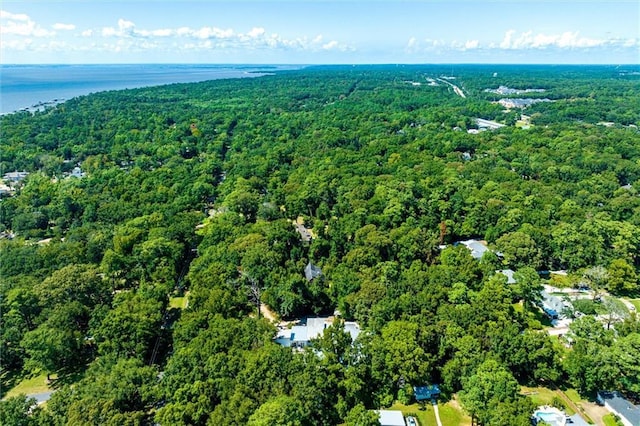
pixel 32 86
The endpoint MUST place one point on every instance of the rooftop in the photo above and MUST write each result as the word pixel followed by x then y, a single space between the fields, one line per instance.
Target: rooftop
pixel 391 418
pixel 301 335
pixel 311 271
pixel 477 247
pixel 621 406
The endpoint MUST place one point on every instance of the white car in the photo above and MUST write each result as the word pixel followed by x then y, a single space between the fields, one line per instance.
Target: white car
pixel 411 421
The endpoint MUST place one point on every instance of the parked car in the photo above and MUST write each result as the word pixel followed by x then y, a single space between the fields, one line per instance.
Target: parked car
pixel 411 421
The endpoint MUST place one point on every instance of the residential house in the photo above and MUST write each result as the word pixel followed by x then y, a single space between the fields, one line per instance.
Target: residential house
pixel 478 248
pixel 553 306
pixel 426 393
pixel 391 418
pixel 628 413
pixel 300 336
pixel 311 271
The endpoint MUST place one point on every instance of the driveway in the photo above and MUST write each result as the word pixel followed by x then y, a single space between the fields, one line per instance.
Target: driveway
pixel 41 398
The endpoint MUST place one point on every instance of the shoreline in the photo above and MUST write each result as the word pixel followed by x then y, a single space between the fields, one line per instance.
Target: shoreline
pixel 41 89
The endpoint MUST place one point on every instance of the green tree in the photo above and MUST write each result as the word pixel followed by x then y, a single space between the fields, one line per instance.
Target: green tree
pixel 518 250
pixel 360 416
pixel 622 277
pixel 487 390
pixel 278 411
pixel 19 411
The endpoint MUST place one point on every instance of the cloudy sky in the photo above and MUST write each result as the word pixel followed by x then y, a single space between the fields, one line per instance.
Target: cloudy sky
pixel 319 31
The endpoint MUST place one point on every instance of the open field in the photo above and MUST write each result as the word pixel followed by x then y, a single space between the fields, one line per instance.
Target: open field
pixel 451 413
pixel 30 386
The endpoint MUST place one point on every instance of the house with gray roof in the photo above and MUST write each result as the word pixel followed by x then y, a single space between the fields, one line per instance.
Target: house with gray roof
pixel 311 271
pixel 478 248
pixel 628 413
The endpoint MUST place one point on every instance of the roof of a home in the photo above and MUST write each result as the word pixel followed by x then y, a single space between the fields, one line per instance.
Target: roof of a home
pixel 622 406
pixel 391 418
pixel 478 248
pixel 313 329
pixel 311 271
pixel 423 393
pixel 509 274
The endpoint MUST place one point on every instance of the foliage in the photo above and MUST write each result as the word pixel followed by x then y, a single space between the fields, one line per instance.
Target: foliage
pixel 196 187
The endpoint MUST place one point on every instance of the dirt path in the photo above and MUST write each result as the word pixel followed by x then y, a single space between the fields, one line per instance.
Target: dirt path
pixel 593 411
pixel 268 313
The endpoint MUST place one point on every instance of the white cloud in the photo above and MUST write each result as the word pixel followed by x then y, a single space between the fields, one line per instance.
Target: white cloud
pixel 566 40
pixel 19 45
pixel 126 36
pixel 472 44
pixel 331 45
pixel 14 16
pixel 125 29
pixel 64 27
pixel 256 32
pixel 21 25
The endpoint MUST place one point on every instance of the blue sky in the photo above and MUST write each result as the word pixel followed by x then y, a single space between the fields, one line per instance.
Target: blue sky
pixel 319 31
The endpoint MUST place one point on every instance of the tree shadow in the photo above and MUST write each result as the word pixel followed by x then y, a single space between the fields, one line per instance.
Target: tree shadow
pixel 9 379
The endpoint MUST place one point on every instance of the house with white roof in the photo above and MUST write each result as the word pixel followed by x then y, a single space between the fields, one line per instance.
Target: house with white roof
pixel 300 336
pixel 391 418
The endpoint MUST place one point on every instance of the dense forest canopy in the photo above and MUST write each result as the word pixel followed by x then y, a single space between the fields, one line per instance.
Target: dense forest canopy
pixel 194 189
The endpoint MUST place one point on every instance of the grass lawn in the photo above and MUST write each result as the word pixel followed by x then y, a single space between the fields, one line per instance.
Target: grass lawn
pixel 573 395
pixel 636 303
pixel 425 417
pixel 544 396
pixel 610 420
pixel 450 414
pixel 31 385
pixel 179 302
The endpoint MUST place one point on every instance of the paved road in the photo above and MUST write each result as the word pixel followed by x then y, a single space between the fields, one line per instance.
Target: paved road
pixel 456 89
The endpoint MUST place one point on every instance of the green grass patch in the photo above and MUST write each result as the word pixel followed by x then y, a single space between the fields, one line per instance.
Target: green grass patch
pixel 179 302
pixel 425 417
pixel 539 396
pixel 610 420
pixel 545 396
pixel 450 414
pixel 37 384
pixel 573 395
pixel 636 303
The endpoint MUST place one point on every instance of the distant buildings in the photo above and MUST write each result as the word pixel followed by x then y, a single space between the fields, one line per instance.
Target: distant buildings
pixel 11 181
pixel 15 177
pixel 520 102
pixel 488 124
pixel 504 90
